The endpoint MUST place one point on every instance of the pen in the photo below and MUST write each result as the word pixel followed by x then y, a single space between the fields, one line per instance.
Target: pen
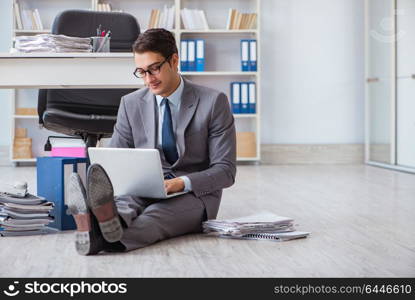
pixel 104 40
pixel 99 30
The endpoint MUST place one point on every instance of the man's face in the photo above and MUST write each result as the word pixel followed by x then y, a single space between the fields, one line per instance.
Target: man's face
pixel 163 83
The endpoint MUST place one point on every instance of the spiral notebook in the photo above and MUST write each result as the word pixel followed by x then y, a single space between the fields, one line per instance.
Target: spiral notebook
pixel 262 226
pixel 280 236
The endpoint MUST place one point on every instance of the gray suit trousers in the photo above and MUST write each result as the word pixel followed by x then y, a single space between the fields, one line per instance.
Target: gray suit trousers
pixel 150 220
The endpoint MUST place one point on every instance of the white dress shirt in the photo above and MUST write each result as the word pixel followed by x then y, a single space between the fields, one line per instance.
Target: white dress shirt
pixel 174 102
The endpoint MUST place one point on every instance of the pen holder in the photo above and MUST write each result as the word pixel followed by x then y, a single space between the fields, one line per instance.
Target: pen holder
pixel 100 44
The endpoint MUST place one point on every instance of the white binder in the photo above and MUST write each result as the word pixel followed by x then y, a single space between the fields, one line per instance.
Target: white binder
pixel 183 55
pixel 236 98
pixel 244 98
pixel 200 55
pixel 252 55
pixel 252 98
pixel 245 55
pixel 191 55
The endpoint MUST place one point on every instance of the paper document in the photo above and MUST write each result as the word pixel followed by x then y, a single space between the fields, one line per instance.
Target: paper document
pixel 52 43
pixel 29 199
pixel 262 226
pixel 27 215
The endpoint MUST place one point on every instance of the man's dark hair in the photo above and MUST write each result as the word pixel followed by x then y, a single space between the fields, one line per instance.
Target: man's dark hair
pixel 156 40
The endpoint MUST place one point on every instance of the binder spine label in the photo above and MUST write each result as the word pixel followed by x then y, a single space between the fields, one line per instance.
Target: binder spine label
pixel 245 55
pixel 200 55
pixel 252 56
pixel 191 53
pixel 252 98
pixel 244 98
pixel 183 56
pixel 235 96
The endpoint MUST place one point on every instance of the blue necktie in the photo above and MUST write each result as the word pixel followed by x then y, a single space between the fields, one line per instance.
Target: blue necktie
pixel 167 135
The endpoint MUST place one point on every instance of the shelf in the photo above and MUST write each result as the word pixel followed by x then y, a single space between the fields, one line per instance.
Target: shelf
pixel 25 117
pixel 245 115
pixel 23 159
pixel 221 31
pixel 31 31
pixel 185 31
pixel 218 73
pixel 247 158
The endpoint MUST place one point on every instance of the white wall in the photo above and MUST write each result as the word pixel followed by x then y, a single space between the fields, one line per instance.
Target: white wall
pixel 5 38
pixel 312 71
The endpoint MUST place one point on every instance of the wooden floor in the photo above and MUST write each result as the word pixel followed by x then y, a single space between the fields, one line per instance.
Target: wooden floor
pixel 362 221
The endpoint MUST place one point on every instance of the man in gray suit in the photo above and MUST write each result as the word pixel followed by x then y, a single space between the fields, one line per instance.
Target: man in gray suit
pixel 193 129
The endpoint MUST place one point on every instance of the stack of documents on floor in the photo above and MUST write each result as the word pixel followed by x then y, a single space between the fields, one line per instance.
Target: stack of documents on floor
pixel 52 43
pixel 263 226
pixel 27 215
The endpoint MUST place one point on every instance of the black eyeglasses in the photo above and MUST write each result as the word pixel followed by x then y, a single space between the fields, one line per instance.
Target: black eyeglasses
pixel 153 70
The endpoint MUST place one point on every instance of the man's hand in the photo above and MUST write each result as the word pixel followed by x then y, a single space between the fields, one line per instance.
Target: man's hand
pixel 174 185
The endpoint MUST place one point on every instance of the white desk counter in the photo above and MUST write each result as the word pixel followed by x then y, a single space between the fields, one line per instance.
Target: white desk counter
pixel 67 70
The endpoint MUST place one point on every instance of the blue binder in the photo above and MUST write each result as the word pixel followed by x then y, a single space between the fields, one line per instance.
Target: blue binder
pixel 252 55
pixel 183 56
pixel 52 178
pixel 200 55
pixel 252 97
pixel 236 97
pixel 245 55
pixel 244 98
pixel 191 55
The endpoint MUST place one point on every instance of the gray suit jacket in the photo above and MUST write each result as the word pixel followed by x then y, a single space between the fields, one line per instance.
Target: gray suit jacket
pixel 205 137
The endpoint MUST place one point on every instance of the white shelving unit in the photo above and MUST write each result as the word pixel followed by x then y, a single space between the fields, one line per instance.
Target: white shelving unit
pixel 28 97
pixel 222 53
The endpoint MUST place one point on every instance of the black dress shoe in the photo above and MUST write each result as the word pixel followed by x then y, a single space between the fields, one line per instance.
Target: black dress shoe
pixel 100 200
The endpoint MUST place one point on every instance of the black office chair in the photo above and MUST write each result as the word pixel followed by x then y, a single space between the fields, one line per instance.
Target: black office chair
pixel 87 113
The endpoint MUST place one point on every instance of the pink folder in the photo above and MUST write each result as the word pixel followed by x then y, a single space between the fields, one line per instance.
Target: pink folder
pixel 69 151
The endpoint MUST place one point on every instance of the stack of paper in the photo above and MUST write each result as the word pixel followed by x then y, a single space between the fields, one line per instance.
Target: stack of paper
pixel 24 216
pixel 52 43
pixel 261 226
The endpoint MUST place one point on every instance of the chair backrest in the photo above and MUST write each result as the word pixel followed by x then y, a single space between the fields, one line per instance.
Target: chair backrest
pixel 84 23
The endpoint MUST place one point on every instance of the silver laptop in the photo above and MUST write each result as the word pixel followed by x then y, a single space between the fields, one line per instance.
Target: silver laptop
pixel 135 172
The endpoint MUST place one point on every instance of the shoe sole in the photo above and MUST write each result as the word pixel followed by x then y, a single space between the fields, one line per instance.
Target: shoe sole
pixel 84 237
pixel 103 207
